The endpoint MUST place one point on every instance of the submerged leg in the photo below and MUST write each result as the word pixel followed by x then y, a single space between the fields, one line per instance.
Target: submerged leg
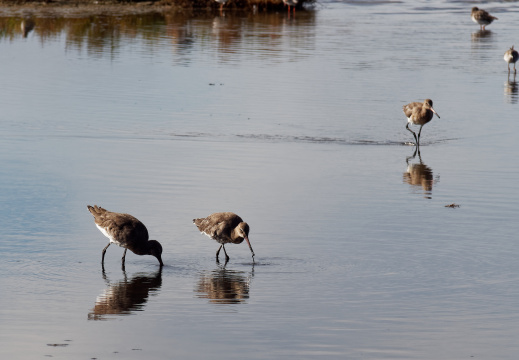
pixel 226 256
pixel 104 250
pixel 419 133
pixel 218 253
pixel 124 256
pixel 414 134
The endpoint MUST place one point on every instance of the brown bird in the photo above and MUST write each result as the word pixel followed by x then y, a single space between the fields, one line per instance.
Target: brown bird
pixel 224 227
pixel 419 114
pixel 482 17
pixel 511 56
pixel 125 231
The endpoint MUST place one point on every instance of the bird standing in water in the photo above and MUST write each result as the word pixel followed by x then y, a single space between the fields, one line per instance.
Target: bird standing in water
pixel 125 231
pixel 481 17
pixel 419 114
pixel 290 3
pixel 224 227
pixel 222 3
pixel 511 56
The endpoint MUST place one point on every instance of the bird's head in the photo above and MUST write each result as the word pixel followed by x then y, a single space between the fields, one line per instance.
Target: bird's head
pixel 243 231
pixel 428 103
pixel 155 249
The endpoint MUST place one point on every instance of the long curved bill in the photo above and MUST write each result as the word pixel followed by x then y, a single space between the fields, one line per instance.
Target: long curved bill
pixel 435 112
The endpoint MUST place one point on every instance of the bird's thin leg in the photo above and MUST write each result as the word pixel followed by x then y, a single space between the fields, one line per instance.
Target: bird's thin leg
pixel 218 252
pixel 226 256
pixel 419 132
pixel 124 256
pixel 414 134
pixel 104 250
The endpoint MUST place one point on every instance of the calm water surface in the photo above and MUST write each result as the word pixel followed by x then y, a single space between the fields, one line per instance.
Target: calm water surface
pixel 294 123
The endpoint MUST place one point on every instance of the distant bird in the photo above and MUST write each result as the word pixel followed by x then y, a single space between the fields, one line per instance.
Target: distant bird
pixel 222 3
pixel 511 56
pixel 482 17
pixel 224 227
pixel 125 231
pixel 290 3
pixel 419 114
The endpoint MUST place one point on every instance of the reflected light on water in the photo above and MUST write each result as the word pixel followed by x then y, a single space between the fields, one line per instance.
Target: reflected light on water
pixel 296 124
pixel 230 37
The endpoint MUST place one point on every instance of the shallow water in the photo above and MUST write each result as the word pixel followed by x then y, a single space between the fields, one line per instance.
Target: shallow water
pixel 296 125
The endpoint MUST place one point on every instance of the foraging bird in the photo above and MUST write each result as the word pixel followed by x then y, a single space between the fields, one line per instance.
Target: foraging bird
pixel 290 3
pixel 222 3
pixel 482 17
pixel 419 114
pixel 224 227
pixel 125 231
pixel 511 56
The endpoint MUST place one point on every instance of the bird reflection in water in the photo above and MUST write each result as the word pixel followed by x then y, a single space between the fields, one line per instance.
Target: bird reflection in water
pixel 222 286
pixel 419 174
pixel 27 25
pixel 511 89
pixel 481 36
pixel 126 296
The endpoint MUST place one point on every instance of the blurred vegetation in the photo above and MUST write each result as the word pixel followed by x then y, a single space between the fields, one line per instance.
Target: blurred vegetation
pixel 181 5
pixel 104 34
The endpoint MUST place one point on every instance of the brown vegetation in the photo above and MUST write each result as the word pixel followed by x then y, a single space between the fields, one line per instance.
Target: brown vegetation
pixel 200 5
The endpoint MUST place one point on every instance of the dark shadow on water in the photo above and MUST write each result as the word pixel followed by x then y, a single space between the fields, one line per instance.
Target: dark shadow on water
pixel 419 175
pixel 224 286
pixel 126 296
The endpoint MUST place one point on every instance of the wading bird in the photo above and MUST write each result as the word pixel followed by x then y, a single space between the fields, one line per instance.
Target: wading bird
pixel 224 227
pixel 290 3
pixel 125 231
pixel 511 56
pixel 419 114
pixel 481 17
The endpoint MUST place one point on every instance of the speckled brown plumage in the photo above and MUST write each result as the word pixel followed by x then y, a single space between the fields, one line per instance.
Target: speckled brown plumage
pixel 481 17
pixel 419 114
pixel 125 231
pixel 224 227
